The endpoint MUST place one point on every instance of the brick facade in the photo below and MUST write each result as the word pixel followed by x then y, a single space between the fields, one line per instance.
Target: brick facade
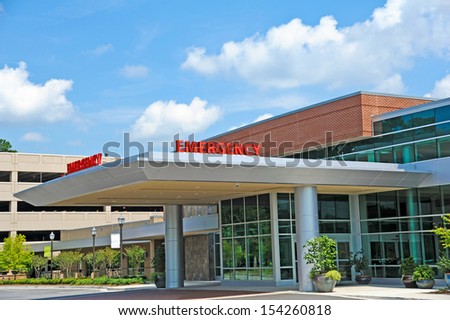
pixel 346 118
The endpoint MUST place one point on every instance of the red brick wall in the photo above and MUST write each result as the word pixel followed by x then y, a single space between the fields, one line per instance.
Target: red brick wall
pixel 347 119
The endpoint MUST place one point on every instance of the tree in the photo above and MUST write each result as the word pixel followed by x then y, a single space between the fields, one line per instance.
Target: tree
pixel 98 259
pixel 444 232
pixel 38 263
pixel 65 260
pixel 136 256
pixel 110 259
pixel 5 146
pixel 321 253
pixel 16 255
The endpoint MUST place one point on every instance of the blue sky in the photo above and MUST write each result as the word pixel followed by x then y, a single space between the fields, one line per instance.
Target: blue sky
pixel 77 74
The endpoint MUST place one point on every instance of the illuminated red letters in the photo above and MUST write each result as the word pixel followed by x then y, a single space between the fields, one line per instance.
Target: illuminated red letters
pixel 213 147
pixel 84 163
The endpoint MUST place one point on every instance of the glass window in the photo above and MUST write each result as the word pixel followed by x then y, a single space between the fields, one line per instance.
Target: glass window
pixel 5 206
pixel 266 251
pixel 426 150
pixel 253 253
pixel 264 227
pixel 384 155
pixel 422 118
pixel 444 147
pixel 47 176
pixel 443 129
pixel 442 114
pixel 23 206
pixel 327 206
pixel 264 207
pixel 283 206
pixel 407 202
pixel 446 197
pixel 238 230
pixel 251 209
pixel 284 227
pixel 29 177
pixel 378 128
pixel 372 206
pixel 227 253
pixel 430 201
pixel 252 229
pixel 238 210
pixel 404 154
pixel 285 247
pixel 5 176
pixel 239 253
pixel 342 207
pixel 402 137
pixel 226 231
pixel 388 204
pixel 424 133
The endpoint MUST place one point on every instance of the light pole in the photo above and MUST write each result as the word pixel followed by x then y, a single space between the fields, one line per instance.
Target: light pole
pixel 94 233
pixel 121 221
pixel 52 237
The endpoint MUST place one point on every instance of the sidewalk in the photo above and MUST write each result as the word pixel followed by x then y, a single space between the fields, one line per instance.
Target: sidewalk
pixel 351 290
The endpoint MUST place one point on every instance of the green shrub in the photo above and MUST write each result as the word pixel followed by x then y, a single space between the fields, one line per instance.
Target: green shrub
pixel 321 253
pixel 423 272
pixel 333 275
pixel 408 266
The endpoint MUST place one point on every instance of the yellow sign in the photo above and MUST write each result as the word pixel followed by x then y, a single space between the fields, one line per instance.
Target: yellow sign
pixel 47 251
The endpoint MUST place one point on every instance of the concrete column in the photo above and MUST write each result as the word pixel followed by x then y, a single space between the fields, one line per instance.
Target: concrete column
pixel 174 245
pixel 307 227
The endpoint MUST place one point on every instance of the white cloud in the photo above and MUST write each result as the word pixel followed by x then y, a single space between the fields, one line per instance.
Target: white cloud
pixel 22 100
pixel 100 50
pixel 393 84
pixel 364 54
pixel 441 88
pixel 134 72
pixel 262 117
pixel 164 119
pixel 1 9
pixel 33 137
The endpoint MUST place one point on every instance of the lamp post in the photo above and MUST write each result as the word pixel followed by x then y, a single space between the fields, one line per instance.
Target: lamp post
pixel 94 233
pixel 52 237
pixel 121 221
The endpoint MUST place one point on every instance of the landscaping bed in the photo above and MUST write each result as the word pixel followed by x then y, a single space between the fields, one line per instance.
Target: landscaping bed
pixel 75 281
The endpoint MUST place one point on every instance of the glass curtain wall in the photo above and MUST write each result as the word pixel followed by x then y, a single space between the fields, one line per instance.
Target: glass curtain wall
pixel 334 221
pixel 398 224
pixel 246 238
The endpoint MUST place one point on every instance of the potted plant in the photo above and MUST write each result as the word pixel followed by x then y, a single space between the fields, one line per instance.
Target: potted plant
pixel 407 269
pixel 159 264
pixel 424 276
pixel 443 264
pixel 361 265
pixel 321 253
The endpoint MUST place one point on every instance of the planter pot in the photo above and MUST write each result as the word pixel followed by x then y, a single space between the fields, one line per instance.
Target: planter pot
pixel 447 279
pixel 408 281
pixel 322 284
pixel 160 282
pixel 363 279
pixel 425 284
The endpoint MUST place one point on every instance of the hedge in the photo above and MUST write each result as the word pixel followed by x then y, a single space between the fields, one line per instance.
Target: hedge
pixel 74 281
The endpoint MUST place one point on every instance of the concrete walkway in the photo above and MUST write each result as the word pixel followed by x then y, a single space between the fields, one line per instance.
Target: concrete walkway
pixel 349 290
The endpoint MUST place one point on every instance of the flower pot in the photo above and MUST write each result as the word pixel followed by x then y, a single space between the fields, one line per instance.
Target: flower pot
pixel 425 284
pixel 447 279
pixel 322 284
pixel 160 281
pixel 363 279
pixel 408 281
